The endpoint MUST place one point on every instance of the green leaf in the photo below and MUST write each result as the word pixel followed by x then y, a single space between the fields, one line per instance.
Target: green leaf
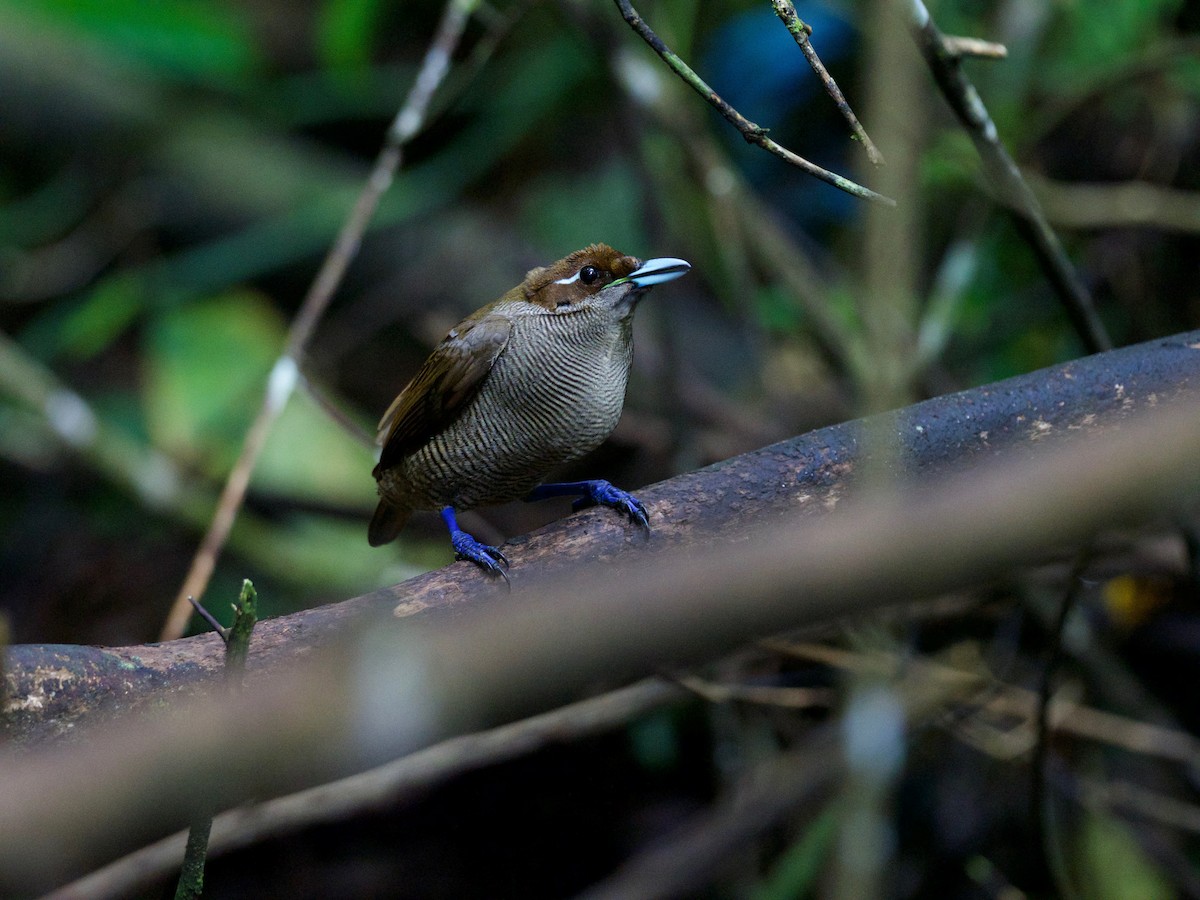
pixel 795 874
pixel 193 39
pixel 344 31
pixel 1094 35
pixel 1114 865
pixel 101 318
pixel 207 365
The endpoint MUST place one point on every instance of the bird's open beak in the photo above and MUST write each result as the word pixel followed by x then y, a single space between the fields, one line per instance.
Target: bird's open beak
pixel 656 271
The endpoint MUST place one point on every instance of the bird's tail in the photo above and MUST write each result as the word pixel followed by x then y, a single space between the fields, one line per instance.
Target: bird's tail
pixel 386 523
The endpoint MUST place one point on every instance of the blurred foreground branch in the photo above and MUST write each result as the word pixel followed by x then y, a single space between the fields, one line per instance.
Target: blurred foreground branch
pixel 379 788
pixel 764 543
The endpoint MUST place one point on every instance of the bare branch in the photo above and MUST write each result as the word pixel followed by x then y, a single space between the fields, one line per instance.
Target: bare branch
pixel 763 553
pixel 1121 205
pixel 801 30
pixel 684 863
pixel 285 373
pixel 1005 178
pixel 54 689
pixel 973 47
pixel 754 134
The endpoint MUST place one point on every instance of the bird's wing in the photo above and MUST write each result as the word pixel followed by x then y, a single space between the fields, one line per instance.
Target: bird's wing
pixel 442 386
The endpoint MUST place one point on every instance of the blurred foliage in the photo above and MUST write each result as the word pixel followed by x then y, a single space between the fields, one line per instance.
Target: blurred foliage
pixel 172 172
pixel 1114 866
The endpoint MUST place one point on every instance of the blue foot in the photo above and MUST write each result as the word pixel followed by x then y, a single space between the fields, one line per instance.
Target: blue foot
pixel 490 559
pixel 596 493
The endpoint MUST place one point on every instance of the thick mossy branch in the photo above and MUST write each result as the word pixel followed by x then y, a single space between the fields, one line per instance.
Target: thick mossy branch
pixel 53 688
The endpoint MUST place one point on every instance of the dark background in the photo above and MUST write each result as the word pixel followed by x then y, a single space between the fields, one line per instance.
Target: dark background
pixel 171 175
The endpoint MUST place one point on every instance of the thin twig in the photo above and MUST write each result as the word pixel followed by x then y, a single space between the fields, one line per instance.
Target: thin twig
pixel 1162 851
pixel 1044 823
pixel 685 862
pixel 754 134
pixel 752 223
pixel 284 375
pixel 191 874
pixel 801 30
pixel 973 47
pixel 1129 799
pixel 336 414
pixel 1006 178
pixel 759 694
pixel 208 617
pixel 1007 701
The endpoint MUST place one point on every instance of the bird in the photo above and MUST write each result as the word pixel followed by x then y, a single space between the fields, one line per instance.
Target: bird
pixel 518 388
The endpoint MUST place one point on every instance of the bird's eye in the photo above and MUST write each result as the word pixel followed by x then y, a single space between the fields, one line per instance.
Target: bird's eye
pixel 588 274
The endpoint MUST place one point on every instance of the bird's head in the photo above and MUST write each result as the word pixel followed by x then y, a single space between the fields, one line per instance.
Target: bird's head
pixel 596 278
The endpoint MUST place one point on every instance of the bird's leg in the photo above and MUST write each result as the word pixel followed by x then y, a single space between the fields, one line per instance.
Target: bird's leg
pixel 595 493
pixel 490 559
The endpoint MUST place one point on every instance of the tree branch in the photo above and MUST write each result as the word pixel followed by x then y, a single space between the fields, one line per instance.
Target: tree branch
pixel 800 31
pixel 285 374
pixel 752 132
pixel 945 64
pixel 54 688
pixel 745 549
pixel 379 788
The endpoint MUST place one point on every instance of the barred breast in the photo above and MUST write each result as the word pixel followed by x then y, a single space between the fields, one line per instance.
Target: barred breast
pixel 554 394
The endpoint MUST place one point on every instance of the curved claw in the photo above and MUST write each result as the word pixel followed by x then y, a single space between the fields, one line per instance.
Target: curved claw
pixel 488 558
pixel 604 493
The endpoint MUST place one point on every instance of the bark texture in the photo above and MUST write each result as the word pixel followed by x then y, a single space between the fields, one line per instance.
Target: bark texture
pixel 51 688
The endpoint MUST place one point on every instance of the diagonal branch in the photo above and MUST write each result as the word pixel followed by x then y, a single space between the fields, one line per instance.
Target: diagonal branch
pixel 753 133
pixel 285 374
pixel 945 63
pixel 53 689
pixel 801 30
pixel 783 542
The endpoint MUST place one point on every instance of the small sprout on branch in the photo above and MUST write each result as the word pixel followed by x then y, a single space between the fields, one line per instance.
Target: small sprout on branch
pixel 237 639
pixel 237 646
